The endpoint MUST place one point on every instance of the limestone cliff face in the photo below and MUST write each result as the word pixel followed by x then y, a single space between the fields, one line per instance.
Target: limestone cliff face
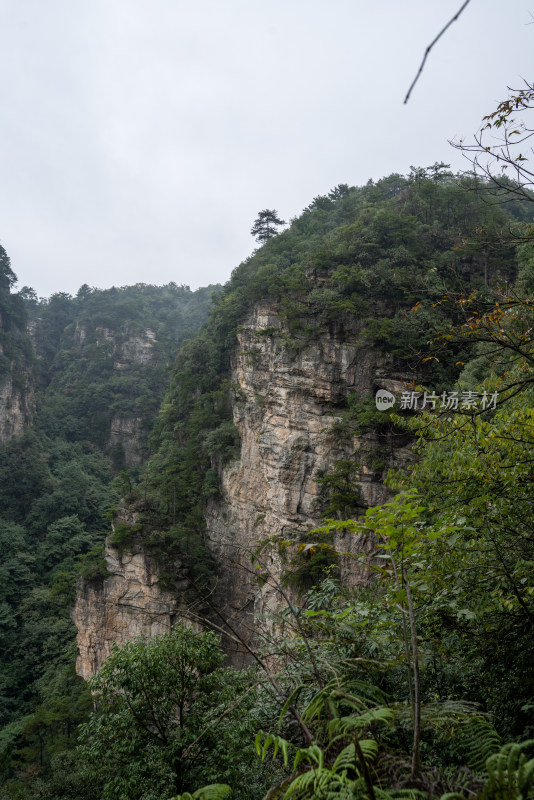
pixel 128 602
pixel 126 432
pixel 126 350
pixel 16 407
pixel 17 391
pixel 288 400
pixel 289 395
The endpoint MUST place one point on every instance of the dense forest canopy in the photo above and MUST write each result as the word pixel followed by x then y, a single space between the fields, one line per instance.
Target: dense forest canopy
pixel 77 356
pixel 418 685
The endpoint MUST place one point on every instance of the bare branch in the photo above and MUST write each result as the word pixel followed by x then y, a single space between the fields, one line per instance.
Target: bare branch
pixel 430 46
pixel 502 147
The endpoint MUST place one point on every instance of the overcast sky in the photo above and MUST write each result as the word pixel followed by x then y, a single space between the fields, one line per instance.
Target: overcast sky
pixel 140 138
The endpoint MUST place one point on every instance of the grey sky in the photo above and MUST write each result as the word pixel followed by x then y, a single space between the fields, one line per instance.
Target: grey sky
pixel 140 139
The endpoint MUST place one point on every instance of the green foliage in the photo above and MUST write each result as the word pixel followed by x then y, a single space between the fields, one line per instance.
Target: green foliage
pixel 356 259
pixel 340 493
pixel 53 516
pixel 92 566
pixel 266 224
pixel 123 535
pixel 476 473
pixel 437 649
pixel 104 354
pixel 223 442
pixel 168 717
pixel 510 775
pixel 16 356
pixel 216 791
pixel 312 563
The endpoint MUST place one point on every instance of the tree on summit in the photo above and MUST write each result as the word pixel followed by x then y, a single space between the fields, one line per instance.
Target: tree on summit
pixel 266 224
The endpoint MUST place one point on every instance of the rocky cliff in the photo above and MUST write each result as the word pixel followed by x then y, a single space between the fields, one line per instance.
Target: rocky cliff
pixel 16 405
pixel 289 397
pixel 17 391
pixel 127 602
pixel 126 351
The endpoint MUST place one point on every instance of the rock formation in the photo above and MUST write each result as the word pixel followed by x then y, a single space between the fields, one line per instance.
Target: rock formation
pixel 127 350
pixel 127 602
pixel 289 397
pixel 16 406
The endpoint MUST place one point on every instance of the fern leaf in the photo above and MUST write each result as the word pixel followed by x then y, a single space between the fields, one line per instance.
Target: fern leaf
pixel 510 775
pixel 452 796
pixel 355 724
pixel 277 743
pixel 476 740
pixel 215 791
pixel 313 754
pixel 525 778
pixel 345 759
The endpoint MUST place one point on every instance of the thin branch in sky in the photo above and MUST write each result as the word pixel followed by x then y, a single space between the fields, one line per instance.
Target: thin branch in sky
pixel 431 45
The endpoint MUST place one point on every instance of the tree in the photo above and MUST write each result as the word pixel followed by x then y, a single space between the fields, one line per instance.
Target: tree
pixel 169 718
pixel 500 149
pixel 266 224
pixel 7 277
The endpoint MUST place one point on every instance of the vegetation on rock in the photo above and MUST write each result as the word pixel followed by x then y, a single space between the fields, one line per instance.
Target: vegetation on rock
pixel 418 685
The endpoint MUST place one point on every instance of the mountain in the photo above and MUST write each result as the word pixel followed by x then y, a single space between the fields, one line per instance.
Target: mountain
pixel 269 425
pixel 230 468
pixel 81 384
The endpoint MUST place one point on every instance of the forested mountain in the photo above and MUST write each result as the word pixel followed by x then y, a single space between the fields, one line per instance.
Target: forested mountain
pixel 373 568
pixel 84 377
pixel 103 361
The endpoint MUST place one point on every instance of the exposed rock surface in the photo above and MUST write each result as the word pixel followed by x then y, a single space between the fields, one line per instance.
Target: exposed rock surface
pixel 16 408
pixel 136 349
pixel 128 602
pixel 127 350
pixel 287 402
pixel 126 432
pixel 288 398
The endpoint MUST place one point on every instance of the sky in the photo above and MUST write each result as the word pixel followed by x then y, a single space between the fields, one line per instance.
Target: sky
pixel 140 138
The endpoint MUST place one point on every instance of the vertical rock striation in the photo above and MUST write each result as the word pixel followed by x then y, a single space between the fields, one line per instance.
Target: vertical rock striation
pixel 289 397
pixel 129 601
pixel 16 406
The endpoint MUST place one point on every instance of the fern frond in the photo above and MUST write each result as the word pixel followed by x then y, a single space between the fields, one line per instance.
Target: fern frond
pixel 369 749
pixel 439 715
pixel 355 724
pixel 317 784
pixel 477 740
pixel 366 693
pixel 473 735
pixel 277 743
pixel 317 704
pixel 452 796
pixel 345 759
pixel 510 775
pixel 355 694
pixel 313 754
pixel 215 791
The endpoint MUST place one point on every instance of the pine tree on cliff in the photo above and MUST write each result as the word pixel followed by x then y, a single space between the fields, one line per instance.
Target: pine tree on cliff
pixel 266 224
